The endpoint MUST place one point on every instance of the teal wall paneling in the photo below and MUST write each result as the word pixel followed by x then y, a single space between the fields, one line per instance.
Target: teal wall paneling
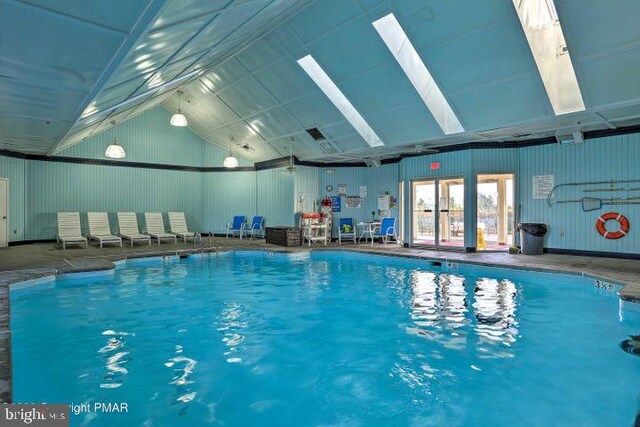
pixel 598 159
pixel 56 187
pixel 150 138
pixel 40 189
pixel 377 180
pixel 616 157
pixel 225 195
pixel 275 196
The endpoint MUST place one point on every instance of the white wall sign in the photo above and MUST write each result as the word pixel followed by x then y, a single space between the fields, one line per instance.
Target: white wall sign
pixel 363 191
pixel 342 189
pixel 383 202
pixel 304 203
pixel 542 186
pixel 353 202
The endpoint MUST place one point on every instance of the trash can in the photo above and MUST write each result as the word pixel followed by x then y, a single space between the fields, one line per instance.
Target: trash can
pixel 532 237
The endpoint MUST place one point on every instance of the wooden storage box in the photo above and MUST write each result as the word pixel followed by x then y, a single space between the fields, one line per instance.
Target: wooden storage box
pixel 284 236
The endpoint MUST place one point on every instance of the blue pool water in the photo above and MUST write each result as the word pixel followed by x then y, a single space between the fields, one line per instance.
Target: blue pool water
pixel 331 338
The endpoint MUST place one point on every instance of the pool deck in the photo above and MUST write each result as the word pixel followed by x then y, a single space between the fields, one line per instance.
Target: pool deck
pixel 30 262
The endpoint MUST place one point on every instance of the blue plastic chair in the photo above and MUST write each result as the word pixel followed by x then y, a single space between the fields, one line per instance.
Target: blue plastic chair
pixel 387 229
pixel 342 230
pixel 236 226
pixel 255 228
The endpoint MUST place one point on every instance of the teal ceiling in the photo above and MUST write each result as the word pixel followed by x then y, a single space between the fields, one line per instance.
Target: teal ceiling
pixel 235 61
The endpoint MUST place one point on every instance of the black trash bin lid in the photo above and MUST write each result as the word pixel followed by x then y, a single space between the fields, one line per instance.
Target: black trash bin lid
pixel 533 228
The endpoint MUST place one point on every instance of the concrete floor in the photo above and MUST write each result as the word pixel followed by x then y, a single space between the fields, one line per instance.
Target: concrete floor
pixel 30 262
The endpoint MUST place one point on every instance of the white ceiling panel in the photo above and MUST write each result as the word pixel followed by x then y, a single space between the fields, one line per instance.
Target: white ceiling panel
pixel 494 53
pixel 354 142
pixel 247 97
pixel 598 27
pixel 116 94
pixel 223 24
pixel 314 111
pixel 381 89
pixel 499 105
pixel 314 21
pixel 117 14
pixel 47 54
pixel 274 123
pixel 284 80
pixel 263 52
pixel 607 80
pixel 406 123
pixel 45 103
pixel 432 22
pixel 178 12
pixel 155 49
pixel 343 54
pixel 36 131
pixel 225 75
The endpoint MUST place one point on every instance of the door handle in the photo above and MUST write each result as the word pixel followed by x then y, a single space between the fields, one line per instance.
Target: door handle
pixel 444 210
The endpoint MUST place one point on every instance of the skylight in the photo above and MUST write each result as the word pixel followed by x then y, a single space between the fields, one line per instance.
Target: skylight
pixel 324 82
pixel 541 26
pixel 401 48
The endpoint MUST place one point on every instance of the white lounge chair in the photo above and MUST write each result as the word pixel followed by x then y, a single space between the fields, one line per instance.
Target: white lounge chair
pixel 155 227
pixel 99 229
pixel 128 228
pixel 69 229
pixel 178 226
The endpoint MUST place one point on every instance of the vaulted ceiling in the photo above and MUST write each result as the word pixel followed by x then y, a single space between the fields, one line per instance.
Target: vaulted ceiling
pixel 72 69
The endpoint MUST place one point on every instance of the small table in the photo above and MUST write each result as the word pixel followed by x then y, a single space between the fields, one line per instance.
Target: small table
pixel 367 229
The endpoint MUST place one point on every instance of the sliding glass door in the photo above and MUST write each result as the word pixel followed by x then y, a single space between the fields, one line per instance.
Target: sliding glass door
pixel 423 221
pixel 495 212
pixel 438 213
pixel 451 210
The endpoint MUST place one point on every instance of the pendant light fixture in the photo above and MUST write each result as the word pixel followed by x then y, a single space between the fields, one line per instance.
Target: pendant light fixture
pixel 230 161
pixel 115 150
pixel 178 119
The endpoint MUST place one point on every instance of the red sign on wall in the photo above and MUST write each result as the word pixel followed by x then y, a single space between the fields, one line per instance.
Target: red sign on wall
pixel 435 166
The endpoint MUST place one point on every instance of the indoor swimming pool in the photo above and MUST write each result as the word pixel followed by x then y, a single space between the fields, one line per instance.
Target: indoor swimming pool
pixel 335 338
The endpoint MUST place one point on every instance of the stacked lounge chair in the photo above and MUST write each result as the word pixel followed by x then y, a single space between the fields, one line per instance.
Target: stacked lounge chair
pixel 99 229
pixel 128 228
pixel 69 231
pixel 155 227
pixel 178 226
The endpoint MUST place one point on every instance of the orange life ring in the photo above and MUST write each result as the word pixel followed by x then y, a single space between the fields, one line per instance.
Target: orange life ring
pixel 612 216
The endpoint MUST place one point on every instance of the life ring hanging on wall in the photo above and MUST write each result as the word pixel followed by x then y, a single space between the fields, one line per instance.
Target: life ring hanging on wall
pixel 612 216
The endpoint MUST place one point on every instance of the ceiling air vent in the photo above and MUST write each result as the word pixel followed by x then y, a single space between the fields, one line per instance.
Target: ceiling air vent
pixel 372 163
pixel 570 138
pixel 522 135
pixel 316 134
